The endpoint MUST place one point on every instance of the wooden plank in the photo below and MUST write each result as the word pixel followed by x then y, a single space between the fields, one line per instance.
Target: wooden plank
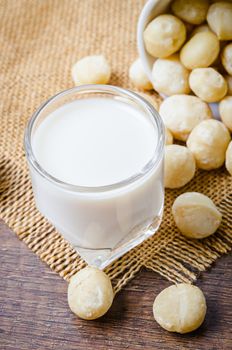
pixel 34 313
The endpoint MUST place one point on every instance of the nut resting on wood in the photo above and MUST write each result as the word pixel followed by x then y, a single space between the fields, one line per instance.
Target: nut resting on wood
pixel 180 308
pixel 90 293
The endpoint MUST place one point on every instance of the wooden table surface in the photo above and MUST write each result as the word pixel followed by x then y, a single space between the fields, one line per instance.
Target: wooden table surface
pixel 34 313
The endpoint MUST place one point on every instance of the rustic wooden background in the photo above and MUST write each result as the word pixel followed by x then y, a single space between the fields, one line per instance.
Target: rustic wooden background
pixel 34 313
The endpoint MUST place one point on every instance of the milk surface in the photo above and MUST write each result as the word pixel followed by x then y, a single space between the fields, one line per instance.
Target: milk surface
pixel 97 142
pixel 94 142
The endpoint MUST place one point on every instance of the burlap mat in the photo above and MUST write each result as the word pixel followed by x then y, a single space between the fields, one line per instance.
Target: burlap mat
pixel 40 40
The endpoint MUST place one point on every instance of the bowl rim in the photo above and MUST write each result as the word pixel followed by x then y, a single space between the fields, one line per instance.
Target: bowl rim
pixel 142 22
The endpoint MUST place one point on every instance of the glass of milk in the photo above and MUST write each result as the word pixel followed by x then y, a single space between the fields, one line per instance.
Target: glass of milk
pixel 95 154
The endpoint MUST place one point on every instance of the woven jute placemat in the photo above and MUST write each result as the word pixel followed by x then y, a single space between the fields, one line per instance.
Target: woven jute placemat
pixel 40 41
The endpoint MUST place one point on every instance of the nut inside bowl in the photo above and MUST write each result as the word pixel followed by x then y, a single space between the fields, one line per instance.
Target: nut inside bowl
pixel 152 9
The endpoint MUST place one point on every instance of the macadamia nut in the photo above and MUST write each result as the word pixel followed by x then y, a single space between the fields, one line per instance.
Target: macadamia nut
pixel 138 76
pixel 164 35
pixel 181 113
pixel 200 51
pixel 90 293
pixel 170 76
pixel 219 18
pixel 91 70
pixel 208 142
pixel 195 215
pixel 229 158
pixel 225 111
pixel 226 57
pixel 168 137
pixel 179 166
pixel 208 84
pixel 180 308
pixel 191 11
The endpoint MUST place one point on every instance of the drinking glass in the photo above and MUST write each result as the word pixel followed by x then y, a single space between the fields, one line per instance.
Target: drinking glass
pixel 101 223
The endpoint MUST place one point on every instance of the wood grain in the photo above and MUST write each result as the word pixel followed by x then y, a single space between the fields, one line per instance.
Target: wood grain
pixel 34 313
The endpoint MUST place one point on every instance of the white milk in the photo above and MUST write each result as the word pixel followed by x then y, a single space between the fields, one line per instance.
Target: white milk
pixel 98 142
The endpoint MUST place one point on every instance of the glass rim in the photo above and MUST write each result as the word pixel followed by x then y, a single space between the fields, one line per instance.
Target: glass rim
pixel 97 88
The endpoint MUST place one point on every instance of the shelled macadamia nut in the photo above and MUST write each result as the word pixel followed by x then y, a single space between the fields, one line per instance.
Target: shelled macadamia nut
pixel 219 18
pixel 179 166
pixel 200 51
pixel 138 76
pixel 229 158
pixel 181 113
pixel 164 35
pixel 208 84
pixel 91 70
pixel 170 76
pixel 225 111
pixel 180 308
pixel 90 293
pixel 195 215
pixel 226 57
pixel 191 11
pixel 229 84
pixel 208 142
pixel 168 137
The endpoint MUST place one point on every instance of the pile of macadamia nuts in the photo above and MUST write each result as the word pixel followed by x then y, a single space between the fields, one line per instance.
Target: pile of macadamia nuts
pixel 192 48
pixel 193 67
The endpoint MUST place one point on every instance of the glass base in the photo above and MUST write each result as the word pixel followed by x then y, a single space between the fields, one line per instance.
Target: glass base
pixel 101 258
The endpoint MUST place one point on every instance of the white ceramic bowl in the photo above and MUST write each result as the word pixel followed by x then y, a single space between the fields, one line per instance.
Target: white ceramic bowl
pixel 152 9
